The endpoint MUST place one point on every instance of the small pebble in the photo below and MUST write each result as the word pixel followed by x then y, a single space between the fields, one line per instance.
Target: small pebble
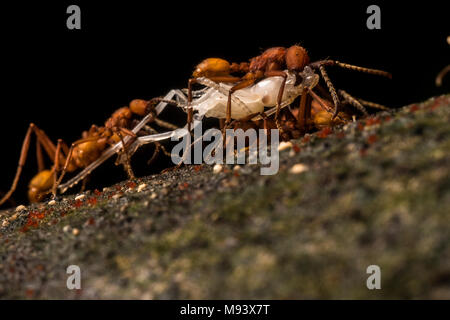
pixel 153 196
pixel 292 153
pixel 5 223
pixel 20 208
pixel 75 231
pixel 298 168
pixel 237 168
pixel 141 187
pixel 13 217
pixel 66 228
pixel 51 202
pixel 284 145
pixel 217 168
pixel 116 196
pixel 80 197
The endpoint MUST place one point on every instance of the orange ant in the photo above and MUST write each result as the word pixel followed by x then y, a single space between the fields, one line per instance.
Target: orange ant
pixel 83 151
pixel 271 63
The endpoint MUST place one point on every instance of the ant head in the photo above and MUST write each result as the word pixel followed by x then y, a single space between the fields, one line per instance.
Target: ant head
pixel 139 107
pixel 296 58
pixel 211 67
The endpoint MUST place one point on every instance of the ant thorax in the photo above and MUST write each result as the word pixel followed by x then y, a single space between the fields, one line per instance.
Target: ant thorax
pixel 254 98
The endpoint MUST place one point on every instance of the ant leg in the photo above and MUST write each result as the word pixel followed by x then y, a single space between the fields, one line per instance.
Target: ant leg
pixel 64 147
pixel 158 146
pixel 45 141
pixel 83 183
pixel 164 150
pixel 155 153
pixel 351 100
pixel 22 159
pixel 39 156
pixel 308 106
pixel 302 113
pixel 283 74
pixel 326 106
pixel 165 124
pixel 127 164
pixel 331 89
pixel 372 104
pixel 322 103
pixel 189 105
pixel 441 75
pixel 238 86
pixel 59 155
pixel 320 64
pixel 56 167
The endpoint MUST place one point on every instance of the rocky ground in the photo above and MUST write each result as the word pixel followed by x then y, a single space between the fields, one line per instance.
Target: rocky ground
pixel 375 192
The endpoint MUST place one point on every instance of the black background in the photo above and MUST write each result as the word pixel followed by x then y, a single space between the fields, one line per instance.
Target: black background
pixel 65 80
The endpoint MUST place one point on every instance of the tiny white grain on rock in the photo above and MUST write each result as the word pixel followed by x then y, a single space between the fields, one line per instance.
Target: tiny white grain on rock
pixel 20 208
pixel 5 223
pixel 116 196
pixel 80 197
pixel 284 145
pixel 141 187
pixel 153 196
pixel 298 168
pixel 67 228
pixel 292 153
pixel 51 202
pixel 217 168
